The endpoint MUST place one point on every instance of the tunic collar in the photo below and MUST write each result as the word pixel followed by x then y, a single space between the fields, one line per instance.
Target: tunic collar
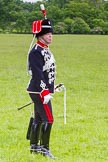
pixel 42 44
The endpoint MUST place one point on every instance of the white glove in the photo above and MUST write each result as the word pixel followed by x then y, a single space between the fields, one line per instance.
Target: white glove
pixel 47 98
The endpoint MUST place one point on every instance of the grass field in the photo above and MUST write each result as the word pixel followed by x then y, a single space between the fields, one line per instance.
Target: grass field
pixel 82 65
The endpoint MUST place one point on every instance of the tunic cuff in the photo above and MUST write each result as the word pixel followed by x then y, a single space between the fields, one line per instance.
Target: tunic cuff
pixel 44 92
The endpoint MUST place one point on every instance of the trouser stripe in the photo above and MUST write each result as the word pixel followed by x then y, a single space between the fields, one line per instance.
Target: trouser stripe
pixel 48 113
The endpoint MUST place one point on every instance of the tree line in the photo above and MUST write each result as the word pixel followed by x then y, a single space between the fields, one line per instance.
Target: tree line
pixel 68 16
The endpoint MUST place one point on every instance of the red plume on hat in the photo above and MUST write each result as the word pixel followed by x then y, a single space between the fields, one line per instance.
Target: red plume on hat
pixel 43 10
pixel 41 27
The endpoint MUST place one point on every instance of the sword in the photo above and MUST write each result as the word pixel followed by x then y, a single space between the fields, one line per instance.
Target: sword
pixel 19 108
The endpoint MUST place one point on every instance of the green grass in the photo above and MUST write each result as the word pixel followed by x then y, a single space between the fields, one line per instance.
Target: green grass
pixel 82 65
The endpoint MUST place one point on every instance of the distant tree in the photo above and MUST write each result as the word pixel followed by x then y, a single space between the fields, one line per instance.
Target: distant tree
pixel 13 13
pixel 79 26
pixel 68 22
pixel 55 13
pixel 60 28
pixel 105 28
pixel 20 23
pixel 97 22
pixel 59 3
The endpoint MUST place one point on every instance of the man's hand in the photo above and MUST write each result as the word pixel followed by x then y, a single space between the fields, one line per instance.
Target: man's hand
pixel 45 95
pixel 47 99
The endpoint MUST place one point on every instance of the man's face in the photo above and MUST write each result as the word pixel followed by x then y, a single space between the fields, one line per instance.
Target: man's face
pixel 47 38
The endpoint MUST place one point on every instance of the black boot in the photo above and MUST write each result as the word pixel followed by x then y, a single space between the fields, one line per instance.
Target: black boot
pixel 45 134
pixel 45 138
pixel 34 137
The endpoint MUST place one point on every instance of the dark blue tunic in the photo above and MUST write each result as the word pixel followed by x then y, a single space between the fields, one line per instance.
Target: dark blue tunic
pixel 41 65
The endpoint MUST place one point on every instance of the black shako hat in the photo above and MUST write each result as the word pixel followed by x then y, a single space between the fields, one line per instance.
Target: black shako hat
pixel 42 27
pixel 46 27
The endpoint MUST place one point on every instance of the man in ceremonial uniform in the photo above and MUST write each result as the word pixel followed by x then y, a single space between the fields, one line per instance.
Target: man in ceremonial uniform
pixel 41 67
